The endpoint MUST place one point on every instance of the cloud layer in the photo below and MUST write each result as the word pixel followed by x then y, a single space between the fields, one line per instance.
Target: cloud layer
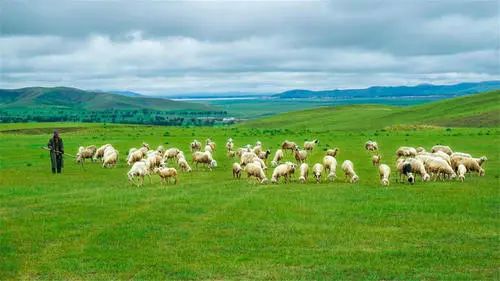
pixel 175 47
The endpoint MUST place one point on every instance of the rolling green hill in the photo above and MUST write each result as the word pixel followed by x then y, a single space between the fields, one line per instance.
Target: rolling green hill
pixel 71 98
pixel 479 110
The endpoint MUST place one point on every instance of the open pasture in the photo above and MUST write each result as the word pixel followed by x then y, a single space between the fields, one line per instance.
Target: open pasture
pixel 92 224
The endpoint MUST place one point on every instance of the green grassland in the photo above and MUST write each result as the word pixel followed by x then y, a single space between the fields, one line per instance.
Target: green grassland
pixel 90 224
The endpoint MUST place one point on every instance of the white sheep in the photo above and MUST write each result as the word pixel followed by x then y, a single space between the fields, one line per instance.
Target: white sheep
pixel 471 164
pixel 371 145
pixel 439 167
pixel 154 160
pixel 317 170
pixel 255 170
pixel 376 159
pixel 237 170
pixel 384 172
pixel 405 151
pixel 195 146
pixel 242 150
pixel 137 154
pixel 139 169
pixel 278 156
pixel 229 144
pixel 283 170
pixel 99 153
pixel 85 153
pixel 332 152
pixel 171 153
pixel 166 174
pixel 183 165
pixel 110 157
pixel 330 165
pixel 461 172
pixel 309 145
pixel 444 148
pixel 204 158
pixel 304 172
pixel 288 145
pixel 210 143
pixel 264 154
pixel 350 174
pixel 248 157
pixel 418 167
pixel 300 155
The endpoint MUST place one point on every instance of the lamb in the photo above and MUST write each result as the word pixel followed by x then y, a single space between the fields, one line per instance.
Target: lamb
pixel 309 145
pixel 317 170
pixel 288 145
pixel 171 153
pixel 283 170
pixel 183 165
pixel 371 145
pixel 278 156
pixel 471 164
pixel 349 172
pixel 376 159
pixel 166 174
pixel 384 172
pixel 264 154
pixel 110 157
pixel 405 169
pixel 332 152
pixel 461 172
pixel 204 158
pixel 139 169
pixel 255 170
pixel 405 151
pixel 443 148
pixel 195 146
pixel 300 155
pixel 304 172
pixel 99 153
pixel 330 164
pixel 85 153
pixel 237 170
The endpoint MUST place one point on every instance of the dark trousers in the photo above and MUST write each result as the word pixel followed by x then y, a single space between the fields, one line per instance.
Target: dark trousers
pixel 57 166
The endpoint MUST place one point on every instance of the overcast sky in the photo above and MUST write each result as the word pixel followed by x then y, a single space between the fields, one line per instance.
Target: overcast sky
pixel 175 47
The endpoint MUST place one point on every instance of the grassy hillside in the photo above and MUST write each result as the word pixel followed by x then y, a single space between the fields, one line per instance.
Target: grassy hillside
pixel 64 97
pixel 479 110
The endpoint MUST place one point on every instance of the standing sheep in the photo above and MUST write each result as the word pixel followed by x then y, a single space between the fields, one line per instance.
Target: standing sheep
pixel 195 146
pixel 229 145
pixel 330 164
pixel 278 155
pixel 304 172
pixel 384 172
pixel 110 157
pixel 139 169
pixel 461 172
pixel 300 155
pixel 85 153
pixel 99 153
pixel 376 159
pixel 283 170
pixel 332 152
pixel 317 170
pixel 237 170
pixel 255 170
pixel 166 174
pixel 171 153
pixel 349 172
pixel 371 145
pixel 183 165
pixel 471 164
pixel 288 145
pixel 309 145
pixel 204 158
pixel 405 151
pixel 404 168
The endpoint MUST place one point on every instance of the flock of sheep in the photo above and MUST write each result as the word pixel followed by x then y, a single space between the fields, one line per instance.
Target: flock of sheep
pixel 441 162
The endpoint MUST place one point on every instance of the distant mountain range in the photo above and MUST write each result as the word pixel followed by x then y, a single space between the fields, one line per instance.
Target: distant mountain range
pixel 398 91
pixel 72 98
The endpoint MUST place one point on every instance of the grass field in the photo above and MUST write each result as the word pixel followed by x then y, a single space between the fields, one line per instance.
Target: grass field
pixel 91 224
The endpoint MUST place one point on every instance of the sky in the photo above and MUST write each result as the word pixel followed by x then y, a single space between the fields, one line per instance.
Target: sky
pixel 222 46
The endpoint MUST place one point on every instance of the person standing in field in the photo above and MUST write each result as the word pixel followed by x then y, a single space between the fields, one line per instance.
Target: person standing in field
pixel 56 152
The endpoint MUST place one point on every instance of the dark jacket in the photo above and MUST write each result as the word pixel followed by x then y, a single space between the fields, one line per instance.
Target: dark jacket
pixel 56 147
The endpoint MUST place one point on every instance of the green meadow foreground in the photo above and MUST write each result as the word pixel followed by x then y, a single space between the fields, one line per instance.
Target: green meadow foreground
pixel 92 224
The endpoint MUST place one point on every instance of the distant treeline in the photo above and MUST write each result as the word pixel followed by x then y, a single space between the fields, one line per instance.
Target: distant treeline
pixel 144 116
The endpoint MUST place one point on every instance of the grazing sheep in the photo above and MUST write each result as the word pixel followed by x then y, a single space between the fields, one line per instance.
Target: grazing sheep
pixel 85 153
pixel 255 170
pixel 171 153
pixel 260 162
pixel 330 164
pixel 183 165
pixel 99 153
pixel 467 155
pixel 283 170
pixel 471 164
pixel 264 154
pixel 405 151
pixel 443 148
pixel 332 152
pixel 404 168
pixel 461 172
pixel 204 158
pixel 439 168
pixel 110 157
pixel 300 155
pixel 195 146
pixel 166 174
pixel 420 149
pixel 309 145
pixel 229 145
pixel 418 167
pixel 304 172
pixel 384 172
pixel 371 145
pixel 139 169
pixel 438 154
pixel 248 157
pixel 349 172
pixel 136 155
pixel 154 160
pixel 376 159
pixel 288 145
pixel 278 156
pixel 237 170
pixel 317 170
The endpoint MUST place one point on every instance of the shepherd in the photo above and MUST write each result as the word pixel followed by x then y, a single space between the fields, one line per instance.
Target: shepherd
pixel 56 148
